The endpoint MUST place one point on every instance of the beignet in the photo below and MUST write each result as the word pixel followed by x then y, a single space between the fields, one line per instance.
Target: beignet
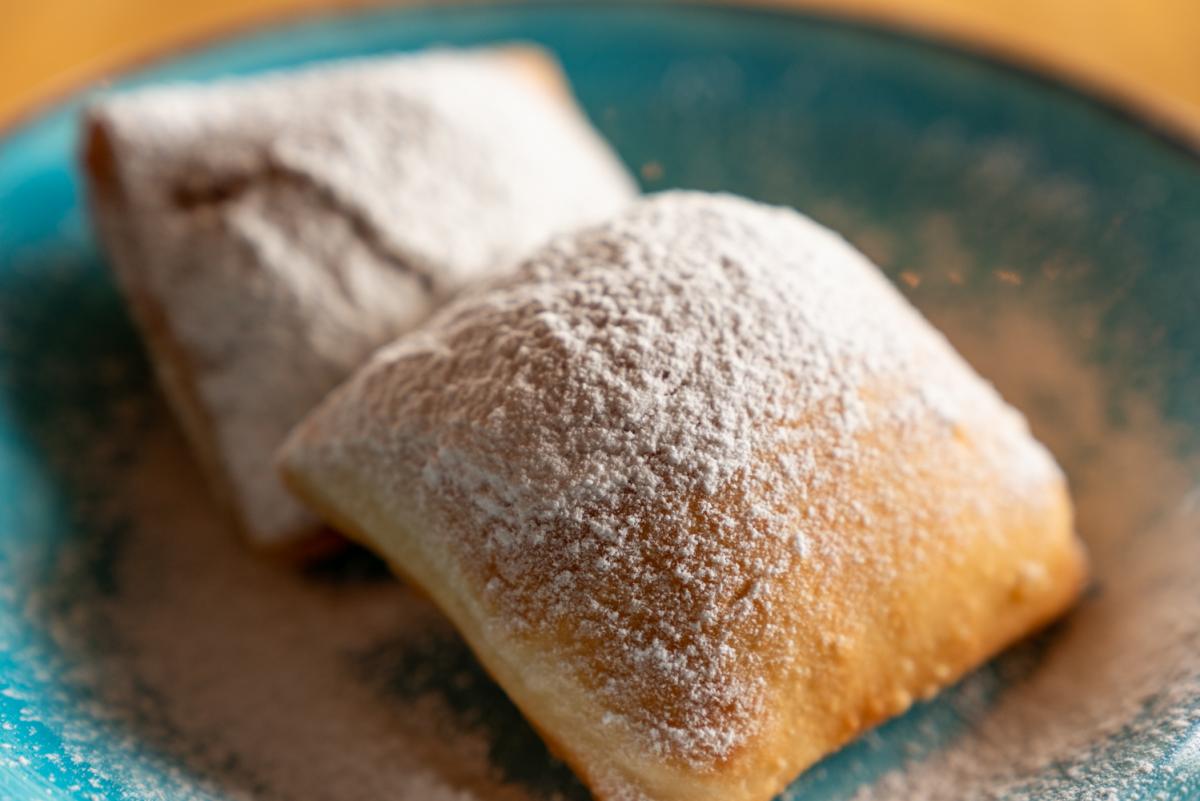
pixel 702 491
pixel 270 232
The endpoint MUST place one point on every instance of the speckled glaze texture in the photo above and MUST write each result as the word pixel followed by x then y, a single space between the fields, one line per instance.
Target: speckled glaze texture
pixel 1052 239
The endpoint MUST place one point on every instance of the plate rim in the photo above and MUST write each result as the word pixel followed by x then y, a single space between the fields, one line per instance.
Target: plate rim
pixel 1172 122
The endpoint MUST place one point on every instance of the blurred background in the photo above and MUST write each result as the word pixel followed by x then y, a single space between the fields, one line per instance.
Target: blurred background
pixel 1145 50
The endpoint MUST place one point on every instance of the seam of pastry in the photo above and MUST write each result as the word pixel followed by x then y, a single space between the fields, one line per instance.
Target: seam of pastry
pixel 275 172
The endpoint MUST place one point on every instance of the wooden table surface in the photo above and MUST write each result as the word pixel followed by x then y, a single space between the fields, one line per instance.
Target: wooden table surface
pixel 1146 51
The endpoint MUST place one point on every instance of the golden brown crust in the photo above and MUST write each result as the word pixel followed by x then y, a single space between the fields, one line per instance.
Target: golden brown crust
pixel 414 570
pixel 1005 579
pixel 885 644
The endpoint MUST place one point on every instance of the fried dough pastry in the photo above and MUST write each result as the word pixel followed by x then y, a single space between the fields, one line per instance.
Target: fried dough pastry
pixel 703 492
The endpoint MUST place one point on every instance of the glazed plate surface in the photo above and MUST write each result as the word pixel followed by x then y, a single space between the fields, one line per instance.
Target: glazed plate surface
pixel 145 655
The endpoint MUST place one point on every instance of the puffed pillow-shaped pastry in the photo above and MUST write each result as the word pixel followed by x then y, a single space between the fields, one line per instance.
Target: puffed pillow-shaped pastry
pixel 270 232
pixel 704 494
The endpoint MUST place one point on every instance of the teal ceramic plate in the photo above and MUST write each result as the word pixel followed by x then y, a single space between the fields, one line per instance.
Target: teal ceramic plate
pixel 145 655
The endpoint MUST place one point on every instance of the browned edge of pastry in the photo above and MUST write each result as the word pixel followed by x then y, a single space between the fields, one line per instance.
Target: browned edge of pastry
pixel 538 66
pixel 312 500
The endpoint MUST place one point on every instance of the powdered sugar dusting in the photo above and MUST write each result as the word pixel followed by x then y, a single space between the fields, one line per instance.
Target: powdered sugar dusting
pixel 288 225
pixel 622 443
